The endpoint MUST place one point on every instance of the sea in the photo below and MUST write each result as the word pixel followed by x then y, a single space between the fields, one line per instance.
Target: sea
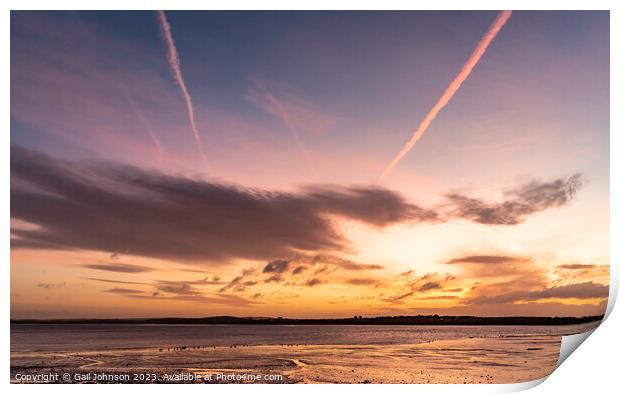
pixel 97 337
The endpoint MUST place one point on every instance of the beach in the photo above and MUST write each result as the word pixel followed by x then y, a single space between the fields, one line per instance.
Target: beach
pixel 498 357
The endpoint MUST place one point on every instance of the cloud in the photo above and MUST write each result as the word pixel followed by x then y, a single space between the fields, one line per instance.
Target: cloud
pixel 126 268
pixel 179 288
pixel 376 205
pixel 185 291
pixel 399 298
pixel 206 281
pixel 511 280
pixel 122 290
pixel 185 286
pixel 406 285
pixel 121 282
pixel 274 278
pixel 500 273
pixel 440 297
pixel 484 259
pixel 51 285
pixel 521 309
pixel 578 290
pixel 110 207
pixel 407 273
pixel 313 282
pixel 321 270
pixel 577 266
pixel 327 262
pixel 429 286
pixel 214 299
pixel 581 272
pixel 338 262
pixel 299 270
pixel 278 266
pixel 237 283
pixel 519 203
pixel 363 282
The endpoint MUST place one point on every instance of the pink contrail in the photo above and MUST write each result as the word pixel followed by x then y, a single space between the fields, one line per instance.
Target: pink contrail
pixel 469 65
pixel 147 126
pixel 175 65
pixel 277 108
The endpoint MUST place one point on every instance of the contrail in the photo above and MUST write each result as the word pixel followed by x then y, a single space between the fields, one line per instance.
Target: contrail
pixel 147 125
pixel 282 114
pixel 469 65
pixel 175 65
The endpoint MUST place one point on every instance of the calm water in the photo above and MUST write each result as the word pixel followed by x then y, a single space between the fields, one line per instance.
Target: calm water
pixel 85 337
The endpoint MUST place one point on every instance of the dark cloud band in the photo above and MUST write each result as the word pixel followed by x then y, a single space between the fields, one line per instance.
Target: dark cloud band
pixel 111 207
pixel 519 203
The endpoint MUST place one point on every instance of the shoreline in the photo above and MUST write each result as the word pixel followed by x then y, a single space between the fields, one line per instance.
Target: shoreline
pixel 477 360
pixel 417 320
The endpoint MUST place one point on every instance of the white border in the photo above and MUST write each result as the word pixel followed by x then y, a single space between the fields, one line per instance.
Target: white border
pixel 591 370
pixel 312 5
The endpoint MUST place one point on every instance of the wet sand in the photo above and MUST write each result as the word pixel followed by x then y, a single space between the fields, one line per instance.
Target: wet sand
pixel 471 360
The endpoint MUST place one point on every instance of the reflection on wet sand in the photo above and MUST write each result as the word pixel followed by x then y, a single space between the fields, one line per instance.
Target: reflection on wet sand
pixel 507 359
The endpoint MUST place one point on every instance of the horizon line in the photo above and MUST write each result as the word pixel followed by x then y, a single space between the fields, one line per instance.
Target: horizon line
pixel 281 318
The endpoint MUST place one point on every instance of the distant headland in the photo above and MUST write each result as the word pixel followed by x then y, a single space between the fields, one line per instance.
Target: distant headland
pixel 356 320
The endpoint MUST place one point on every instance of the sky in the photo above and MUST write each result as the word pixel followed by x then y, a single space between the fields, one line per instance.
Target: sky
pixel 234 163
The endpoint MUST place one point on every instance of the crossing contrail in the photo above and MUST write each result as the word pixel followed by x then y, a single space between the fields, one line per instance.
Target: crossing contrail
pixel 147 126
pixel 267 101
pixel 175 65
pixel 469 65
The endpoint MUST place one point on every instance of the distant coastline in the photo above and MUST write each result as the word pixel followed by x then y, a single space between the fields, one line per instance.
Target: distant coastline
pixel 358 320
